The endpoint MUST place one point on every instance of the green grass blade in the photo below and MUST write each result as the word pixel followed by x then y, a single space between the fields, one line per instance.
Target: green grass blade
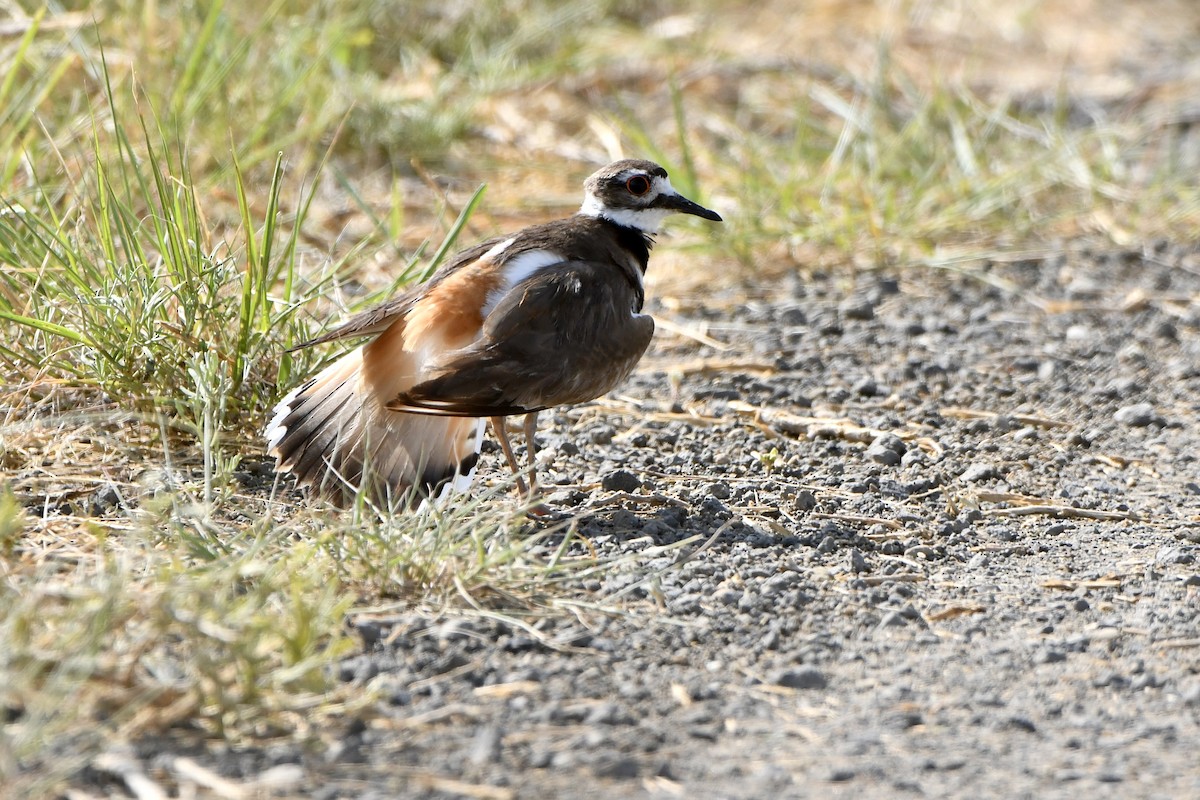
pixel 452 235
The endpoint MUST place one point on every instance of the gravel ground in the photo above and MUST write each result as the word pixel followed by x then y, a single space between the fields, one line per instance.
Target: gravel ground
pixel 956 536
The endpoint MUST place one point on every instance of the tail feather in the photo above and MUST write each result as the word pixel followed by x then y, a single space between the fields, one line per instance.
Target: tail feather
pixel 302 434
pixel 334 434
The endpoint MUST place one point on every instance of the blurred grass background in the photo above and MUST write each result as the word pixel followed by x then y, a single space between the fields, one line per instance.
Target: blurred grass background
pixel 186 189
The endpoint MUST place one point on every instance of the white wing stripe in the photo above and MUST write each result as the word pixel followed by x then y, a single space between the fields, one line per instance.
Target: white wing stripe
pixel 518 269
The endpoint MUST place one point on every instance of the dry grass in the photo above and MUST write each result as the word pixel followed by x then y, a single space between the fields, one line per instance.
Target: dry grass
pixel 186 189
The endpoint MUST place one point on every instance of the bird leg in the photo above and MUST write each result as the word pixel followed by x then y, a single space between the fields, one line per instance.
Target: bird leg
pixel 528 491
pixel 531 450
pixel 506 446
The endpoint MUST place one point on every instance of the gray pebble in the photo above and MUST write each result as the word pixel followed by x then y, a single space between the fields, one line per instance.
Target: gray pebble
pixel 602 434
pixel 485 747
pixel 607 714
pixel 859 308
pixel 1026 435
pixel 566 497
pixel 857 561
pixel 621 480
pixel 887 449
pixel 979 471
pixel 805 500
pixel 866 388
pixel 1138 415
pixel 1021 724
pixel 620 767
pixel 729 597
pixel 800 678
pixel 720 491
pixel 793 315
pixel 105 499
pixel 1052 656
pixel 540 757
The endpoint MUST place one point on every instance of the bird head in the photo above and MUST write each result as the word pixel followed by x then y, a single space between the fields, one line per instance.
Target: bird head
pixel 637 194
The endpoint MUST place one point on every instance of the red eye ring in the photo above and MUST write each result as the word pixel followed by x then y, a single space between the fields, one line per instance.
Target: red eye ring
pixel 638 185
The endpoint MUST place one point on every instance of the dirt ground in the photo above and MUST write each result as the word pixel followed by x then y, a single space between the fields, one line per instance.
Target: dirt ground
pixel 947 530
pixel 952 531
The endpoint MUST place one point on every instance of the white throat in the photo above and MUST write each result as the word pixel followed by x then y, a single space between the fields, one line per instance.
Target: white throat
pixel 647 220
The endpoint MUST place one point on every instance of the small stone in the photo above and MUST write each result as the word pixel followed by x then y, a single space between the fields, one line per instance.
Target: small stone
pixel 857 561
pixel 485 747
pixel 717 394
pixel 621 480
pixel 565 497
pixel 1003 423
pixel 1026 435
pixel 865 387
pixel 887 449
pixel 540 757
pixel 607 714
pixel 1022 724
pixel 106 498
pixel 729 597
pixel 979 471
pixel 1112 680
pixel 620 767
pixel 801 678
pixel 859 308
pixel 805 500
pixel 1052 656
pixel 1139 415
pixel 1146 681
pixel 720 491
pixel 602 434
pixel 793 316
pixel 826 323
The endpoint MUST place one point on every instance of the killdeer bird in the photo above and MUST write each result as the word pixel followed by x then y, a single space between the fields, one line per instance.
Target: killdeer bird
pixel 548 316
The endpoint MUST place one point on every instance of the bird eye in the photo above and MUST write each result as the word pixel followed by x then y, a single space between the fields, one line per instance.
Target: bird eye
pixel 638 185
